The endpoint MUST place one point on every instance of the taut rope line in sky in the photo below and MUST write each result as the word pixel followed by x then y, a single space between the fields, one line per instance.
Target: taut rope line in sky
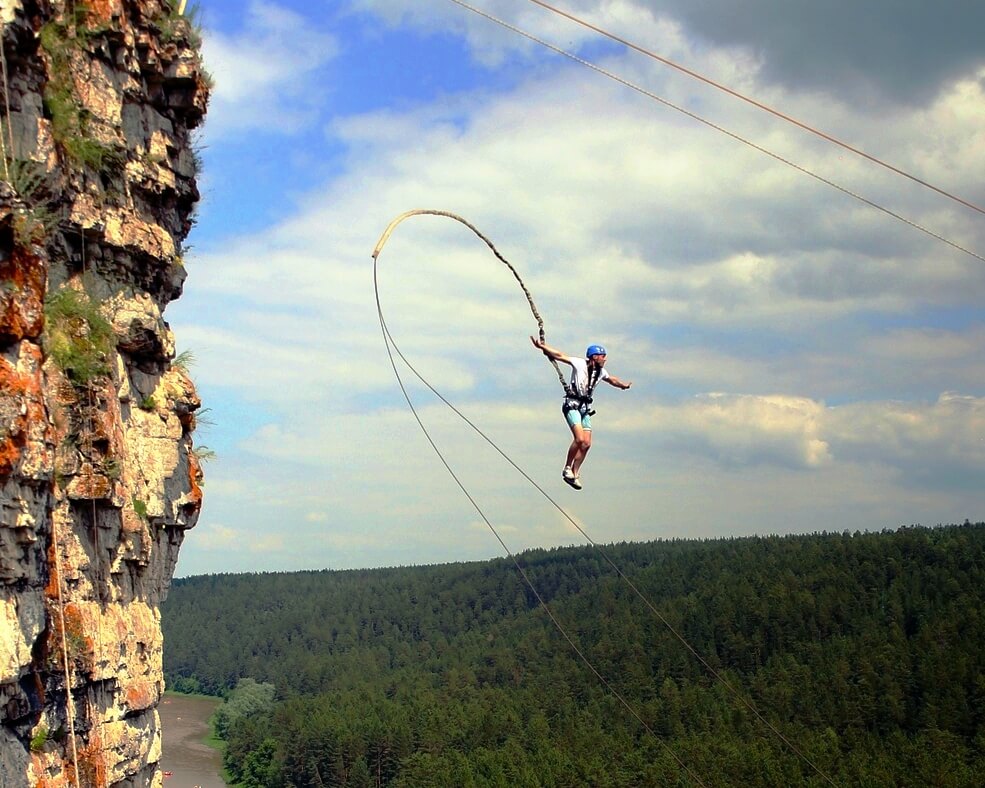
pixel 755 103
pixel 391 347
pixel 722 129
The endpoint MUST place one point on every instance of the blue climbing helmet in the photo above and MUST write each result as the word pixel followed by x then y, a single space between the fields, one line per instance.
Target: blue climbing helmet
pixel 595 350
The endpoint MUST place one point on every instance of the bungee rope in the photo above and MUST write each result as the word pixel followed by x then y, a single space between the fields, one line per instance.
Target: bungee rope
pixel 391 348
pixel 526 292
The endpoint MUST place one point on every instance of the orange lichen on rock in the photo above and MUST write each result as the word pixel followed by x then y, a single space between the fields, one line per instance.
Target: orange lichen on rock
pixel 41 765
pixel 103 10
pixel 15 390
pixel 141 695
pixel 23 422
pixel 22 288
pixel 71 637
pixel 92 763
pixel 90 485
pixel 193 499
pixel 51 590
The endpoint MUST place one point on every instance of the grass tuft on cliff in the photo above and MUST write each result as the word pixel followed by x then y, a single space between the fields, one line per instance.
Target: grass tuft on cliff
pixel 33 220
pixel 77 336
pixel 176 23
pixel 70 121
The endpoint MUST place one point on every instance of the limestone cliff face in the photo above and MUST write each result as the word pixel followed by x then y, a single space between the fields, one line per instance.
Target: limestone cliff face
pixel 98 476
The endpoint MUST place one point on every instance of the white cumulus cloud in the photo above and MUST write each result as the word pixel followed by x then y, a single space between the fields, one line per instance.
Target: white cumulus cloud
pixel 264 72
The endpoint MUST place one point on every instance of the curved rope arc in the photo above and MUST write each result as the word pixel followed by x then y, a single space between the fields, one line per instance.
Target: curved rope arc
pixel 448 214
pixel 392 347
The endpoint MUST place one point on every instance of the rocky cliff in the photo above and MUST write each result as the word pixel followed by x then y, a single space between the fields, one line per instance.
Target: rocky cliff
pixel 98 475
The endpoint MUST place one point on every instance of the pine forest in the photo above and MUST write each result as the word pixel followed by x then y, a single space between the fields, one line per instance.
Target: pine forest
pixel 822 659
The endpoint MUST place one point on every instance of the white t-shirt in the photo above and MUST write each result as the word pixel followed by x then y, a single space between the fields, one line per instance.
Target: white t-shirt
pixel 579 374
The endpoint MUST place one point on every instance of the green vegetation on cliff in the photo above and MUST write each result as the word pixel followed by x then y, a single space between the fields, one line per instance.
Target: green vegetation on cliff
pixel 865 650
pixel 77 335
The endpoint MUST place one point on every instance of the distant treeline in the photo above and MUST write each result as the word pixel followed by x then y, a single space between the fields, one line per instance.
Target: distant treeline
pixel 865 650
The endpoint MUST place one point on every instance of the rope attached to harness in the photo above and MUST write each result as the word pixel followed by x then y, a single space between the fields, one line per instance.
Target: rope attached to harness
pixel 582 402
pixel 568 391
pixel 392 349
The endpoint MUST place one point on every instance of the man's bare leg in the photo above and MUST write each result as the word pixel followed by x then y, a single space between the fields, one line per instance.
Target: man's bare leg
pixel 579 447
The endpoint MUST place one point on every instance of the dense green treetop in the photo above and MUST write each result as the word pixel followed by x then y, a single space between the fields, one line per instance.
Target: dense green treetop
pixel 865 649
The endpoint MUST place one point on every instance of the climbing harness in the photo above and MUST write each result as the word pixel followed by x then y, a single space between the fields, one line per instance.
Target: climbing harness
pixel 582 402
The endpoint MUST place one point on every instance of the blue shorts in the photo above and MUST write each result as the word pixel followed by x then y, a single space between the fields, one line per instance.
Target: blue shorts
pixel 575 418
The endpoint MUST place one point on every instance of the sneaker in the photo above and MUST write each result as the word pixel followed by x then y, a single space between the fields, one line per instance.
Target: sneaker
pixel 567 474
pixel 576 482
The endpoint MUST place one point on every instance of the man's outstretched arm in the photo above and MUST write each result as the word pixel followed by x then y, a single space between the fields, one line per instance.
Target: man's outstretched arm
pixel 548 351
pixel 612 380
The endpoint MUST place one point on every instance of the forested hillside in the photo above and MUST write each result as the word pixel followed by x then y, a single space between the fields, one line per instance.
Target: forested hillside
pixel 864 650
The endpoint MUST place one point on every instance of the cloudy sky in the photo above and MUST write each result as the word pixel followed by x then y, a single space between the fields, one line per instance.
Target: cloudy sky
pixel 800 361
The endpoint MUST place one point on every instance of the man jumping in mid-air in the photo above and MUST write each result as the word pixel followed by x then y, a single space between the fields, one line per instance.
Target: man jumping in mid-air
pixel 585 375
